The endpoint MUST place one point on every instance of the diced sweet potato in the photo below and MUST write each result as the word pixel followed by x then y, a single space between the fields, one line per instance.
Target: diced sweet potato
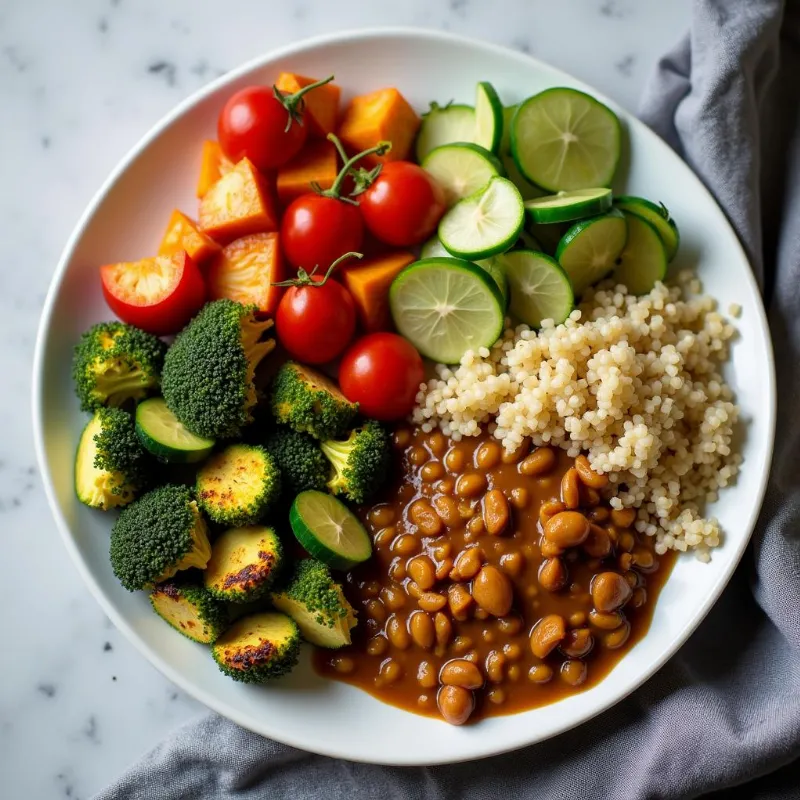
pixel 369 281
pixel 183 233
pixel 238 204
pixel 317 162
pixel 384 115
pixel 213 165
pixel 321 104
pixel 245 271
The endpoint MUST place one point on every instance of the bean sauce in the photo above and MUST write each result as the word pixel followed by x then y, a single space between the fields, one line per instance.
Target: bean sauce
pixel 499 581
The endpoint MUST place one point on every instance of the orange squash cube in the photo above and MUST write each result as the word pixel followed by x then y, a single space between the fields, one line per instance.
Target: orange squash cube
pixel 238 204
pixel 384 115
pixel 321 104
pixel 245 271
pixel 368 282
pixel 213 165
pixel 183 234
pixel 317 162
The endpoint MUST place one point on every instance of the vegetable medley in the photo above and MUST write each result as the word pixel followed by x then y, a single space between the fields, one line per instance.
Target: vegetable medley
pixel 326 243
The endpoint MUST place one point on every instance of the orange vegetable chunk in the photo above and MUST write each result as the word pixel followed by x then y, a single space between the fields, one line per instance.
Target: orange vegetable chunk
pixel 321 104
pixel 369 281
pixel 183 233
pixel 213 165
pixel 317 161
pixel 384 115
pixel 245 271
pixel 238 204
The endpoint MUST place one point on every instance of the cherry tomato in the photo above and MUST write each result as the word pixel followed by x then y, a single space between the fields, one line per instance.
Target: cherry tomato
pixel 315 321
pixel 404 204
pixel 316 230
pixel 159 295
pixel 382 373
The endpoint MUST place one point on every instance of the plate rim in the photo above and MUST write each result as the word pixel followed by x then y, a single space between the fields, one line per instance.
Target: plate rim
pixel 332 749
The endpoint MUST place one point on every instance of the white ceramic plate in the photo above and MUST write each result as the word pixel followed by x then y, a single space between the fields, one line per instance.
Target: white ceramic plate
pixel 125 221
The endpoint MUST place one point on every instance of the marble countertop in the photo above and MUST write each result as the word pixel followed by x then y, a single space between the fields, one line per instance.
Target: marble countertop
pixel 81 82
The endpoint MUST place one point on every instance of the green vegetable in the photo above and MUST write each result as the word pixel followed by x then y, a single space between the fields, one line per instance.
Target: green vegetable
pixel 238 485
pixel 308 402
pixel 461 169
pixel 111 467
pixel 317 604
pixel 658 216
pixel 166 437
pixel 208 371
pixel 643 261
pixel 190 609
pixel 258 648
pixel 444 125
pixel 488 117
pixel 568 206
pixel 301 462
pixel 243 564
pixel 158 535
pixel 329 530
pixel 114 363
pixel 360 462
pixel 540 289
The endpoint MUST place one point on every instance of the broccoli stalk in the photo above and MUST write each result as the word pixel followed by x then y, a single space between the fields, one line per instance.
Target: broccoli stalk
pixel 114 363
pixel 317 604
pixel 360 462
pixel 192 610
pixel 111 466
pixel 158 535
pixel 209 370
pixel 301 462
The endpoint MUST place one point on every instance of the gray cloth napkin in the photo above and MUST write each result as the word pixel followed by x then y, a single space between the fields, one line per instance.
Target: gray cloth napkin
pixel 726 709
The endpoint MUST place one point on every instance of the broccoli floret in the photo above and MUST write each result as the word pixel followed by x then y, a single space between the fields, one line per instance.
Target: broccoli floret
pixel 317 604
pixel 360 463
pixel 258 648
pixel 190 609
pixel 209 370
pixel 156 536
pixel 310 403
pixel 111 466
pixel 243 564
pixel 302 464
pixel 238 485
pixel 114 363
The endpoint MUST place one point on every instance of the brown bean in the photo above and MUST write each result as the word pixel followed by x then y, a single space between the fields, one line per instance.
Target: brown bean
pixel 393 597
pixel 413 590
pixel 644 559
pixel 443 628
pixel 547 634
pixel 455 704
pixel 510 625
pixel 422 630
pixel 447 509
pixel 514 672
pixel 426 675
pixel 385 536
pixel 567 529
pixel 513 456
pixel 423 571
pixel 343 664
pixel 461 644
pixel 437 443
pixel 598 542
pixel 488 455
pixel 570 489
pixel 481 613
pixel 470 484
pixel 460 672
pixel 623 517
pixel 492 591
pixel 540 461
pixel 589 497
pixel 370 588
pixel 512 563
pixel 625 541
pixel 444 569
pixel 422 514
pixel 577 619
pixel 610 591
pixel 382 515
pixel 417 456
pixel 397 570
pixel 550 509
pixel 376 610
pixel 425 701
pixel 577 643
pixel 614 639
pixel 540 673
pixel 592 479
pixel 606 620
pixel 431 471
pixel 639 597
pixel 445 486
pixel 397 633
pixel 553 575
pixel 402 438
pixel 459 600
pixel 487 635
pixel 495 666
pixel 405 545
pixel 475 526
pixel 496 696
pixel 469 562
pixel 574 672
pixel 549 549
pixel 512 651
pixel 632 578
pixel 625 561
pixel 377 645
pixel 432 601
pixel 496 512
pixel 389 672
pixel 442 550
pixel 455 459
pixel 599 514
pixel 520 497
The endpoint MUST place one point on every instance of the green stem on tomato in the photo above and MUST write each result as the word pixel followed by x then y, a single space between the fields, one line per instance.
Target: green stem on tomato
pixel 336 190
pixel 307 278
pixel 294 103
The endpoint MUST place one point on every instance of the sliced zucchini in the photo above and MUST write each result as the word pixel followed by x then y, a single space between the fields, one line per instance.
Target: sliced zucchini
pixel 461 169
pixel 568 206
pixel 164 435
pixel 484 224
pixel 488 117
pixel 643 261
pixel 444 125
pixel 563 139
pixel 658 216
pixel 589 249
pixel 446 306
pixel 540 289
pixel 328 530
pixel 505 139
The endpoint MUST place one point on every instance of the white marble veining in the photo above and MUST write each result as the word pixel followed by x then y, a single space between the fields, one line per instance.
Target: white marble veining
pixel 80 82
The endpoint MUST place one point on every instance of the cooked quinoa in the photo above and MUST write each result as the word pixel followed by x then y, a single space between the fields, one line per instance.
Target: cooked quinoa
pixel 635 382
